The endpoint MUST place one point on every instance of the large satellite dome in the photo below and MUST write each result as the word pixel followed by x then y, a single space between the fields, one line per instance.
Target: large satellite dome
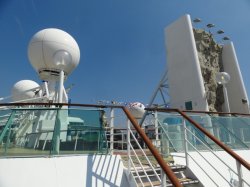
pixel 25 89
pixel 52 50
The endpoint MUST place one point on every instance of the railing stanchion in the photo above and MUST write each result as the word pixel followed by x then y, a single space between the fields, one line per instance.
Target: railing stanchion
pixel 185 143
pixel 163 179
pixel 239 171
pixel 128 146
pixel 156 129
pixel 160 144
pixel 112 117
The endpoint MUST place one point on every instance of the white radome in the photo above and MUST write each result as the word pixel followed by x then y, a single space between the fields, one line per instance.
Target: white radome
pixel 137 109
pixel 52 50
pixel 24 89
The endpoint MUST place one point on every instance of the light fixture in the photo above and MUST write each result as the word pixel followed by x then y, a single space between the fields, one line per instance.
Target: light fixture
pixel 223 78
pixel 197 20
pixel 210 25
pixel 220 32
pixel 225 38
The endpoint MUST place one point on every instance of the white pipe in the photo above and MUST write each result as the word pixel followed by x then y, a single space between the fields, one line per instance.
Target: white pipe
pixel 60 89
pixel 46 89
pixel 112 116
pixel 65 95
pixel 226 102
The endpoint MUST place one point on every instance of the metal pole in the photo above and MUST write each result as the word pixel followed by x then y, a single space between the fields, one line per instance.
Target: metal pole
pixel 60 91
pixel 239 170
pixel 112 130
pixel 128 146
pixel 227 107
pixel 160 144
pixel 163 179
pixel 156 130
pixel 46 89
pixel 56 134
pixel 185 142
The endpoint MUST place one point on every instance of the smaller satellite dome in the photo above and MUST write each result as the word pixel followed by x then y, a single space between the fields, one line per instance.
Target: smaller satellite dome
pixel 25 89
pixel 52 50
pixel 137 109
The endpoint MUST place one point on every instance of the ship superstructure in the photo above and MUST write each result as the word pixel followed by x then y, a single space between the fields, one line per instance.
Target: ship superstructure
pixel 46 141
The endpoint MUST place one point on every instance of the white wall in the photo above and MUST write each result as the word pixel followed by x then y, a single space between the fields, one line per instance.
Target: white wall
pixel 235 88
pixel 184 75
pixel 71 171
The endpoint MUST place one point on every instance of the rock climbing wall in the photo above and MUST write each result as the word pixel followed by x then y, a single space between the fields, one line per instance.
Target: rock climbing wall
pixel 210 58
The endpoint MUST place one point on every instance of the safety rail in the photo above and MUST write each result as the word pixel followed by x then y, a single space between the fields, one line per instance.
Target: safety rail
pixel 134 158
pixel 206 159
pixel 58 130
pixel 239 160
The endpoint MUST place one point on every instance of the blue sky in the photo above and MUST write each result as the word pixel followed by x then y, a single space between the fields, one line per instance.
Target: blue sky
pixel 121 41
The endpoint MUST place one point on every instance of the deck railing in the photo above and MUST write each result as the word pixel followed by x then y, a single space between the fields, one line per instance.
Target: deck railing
pixel 209 138
pixel 51 139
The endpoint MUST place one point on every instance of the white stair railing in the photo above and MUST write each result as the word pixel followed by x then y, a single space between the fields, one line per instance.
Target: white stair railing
pixel 130 134
pixel 186 141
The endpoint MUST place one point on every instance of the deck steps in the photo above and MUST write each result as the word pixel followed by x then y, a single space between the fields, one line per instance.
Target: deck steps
pixel 179 171
pixel 144 175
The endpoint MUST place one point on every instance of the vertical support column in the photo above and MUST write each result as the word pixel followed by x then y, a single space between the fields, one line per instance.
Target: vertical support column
pixel 163 179
pixel 157 144
pixel 112 117
pixel 128 146
pixel 56 135
pixel 60 89
pixel 227 107
pixel 185 142
pixel 46 90
pixel 239 171
pixel 161 145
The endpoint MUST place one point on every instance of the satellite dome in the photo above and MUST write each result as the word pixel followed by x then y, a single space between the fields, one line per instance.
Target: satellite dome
pixel 25 89
pixel 137 109
pixel 52 50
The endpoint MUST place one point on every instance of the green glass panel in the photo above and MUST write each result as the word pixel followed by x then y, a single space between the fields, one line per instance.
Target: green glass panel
pixel 232 131
pixel 45 131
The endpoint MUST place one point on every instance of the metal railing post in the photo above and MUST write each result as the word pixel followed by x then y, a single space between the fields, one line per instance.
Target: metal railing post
pixel 239 171
pixel 55 149
pixel 112 117
pixel 7 125
pixel 128 146
pixel 160 144
pixel 185 143
pixel 156 129
pixel 163 179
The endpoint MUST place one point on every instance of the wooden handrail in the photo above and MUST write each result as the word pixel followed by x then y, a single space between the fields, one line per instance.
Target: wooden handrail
pixel 153 150
pixel 197 111
pixel 204 131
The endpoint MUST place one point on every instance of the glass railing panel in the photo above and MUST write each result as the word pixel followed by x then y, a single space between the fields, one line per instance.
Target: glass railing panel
pixel 197 139
pixel 4 116
pixel 227 129
pixel 55 131
pixel 81 132
pixel 171 133
pixel 24 132
pixel 232 131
